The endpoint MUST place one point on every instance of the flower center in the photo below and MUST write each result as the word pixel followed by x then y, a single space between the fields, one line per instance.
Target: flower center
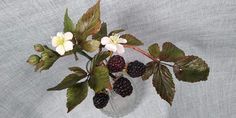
pixel 60 41
pixel 114 39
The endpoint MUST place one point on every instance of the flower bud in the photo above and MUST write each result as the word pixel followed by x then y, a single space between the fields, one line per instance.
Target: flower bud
pixel 33 59
pixel 91 45
pixel 44 55
pixel 38 48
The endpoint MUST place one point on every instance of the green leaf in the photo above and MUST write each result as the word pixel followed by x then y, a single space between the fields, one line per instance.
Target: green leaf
pixel 98 58
pixel 154 50
pixel 131 40
pixel 99 79
pixel 90 45
pixel 191 69
pixel 150 67
pixel 79 71
pixel 69 81
pixel 68 23
pixel 76 94
pixel 89 23
pixel 170 53
pixel 102 33
pixel 163 83
pixel 115 32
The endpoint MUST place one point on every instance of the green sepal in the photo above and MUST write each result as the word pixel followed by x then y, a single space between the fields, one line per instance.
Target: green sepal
pixel 115 32
pixel 131 40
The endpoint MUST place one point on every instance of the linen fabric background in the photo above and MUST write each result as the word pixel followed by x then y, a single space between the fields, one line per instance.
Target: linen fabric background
pixel 206 28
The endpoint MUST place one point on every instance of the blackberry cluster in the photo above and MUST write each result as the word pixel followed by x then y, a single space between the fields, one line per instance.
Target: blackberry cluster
pixel 100 100
pixel 123 87
pixel 116 63
pixel 136 69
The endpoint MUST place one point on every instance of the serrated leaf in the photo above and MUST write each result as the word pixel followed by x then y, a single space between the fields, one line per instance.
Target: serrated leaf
pixel 116 32
pixel 131 40
pixel 191 69
pixel 79 71
pixel 68 81
pixel 170 53
pixel 90 45
pixel 154 50
pixel 89 23
pixel 150 67
pixel 99 58
pixel 163 83
pixel 99 78
pixel 68 23
pixel 76 94
pixel 102 32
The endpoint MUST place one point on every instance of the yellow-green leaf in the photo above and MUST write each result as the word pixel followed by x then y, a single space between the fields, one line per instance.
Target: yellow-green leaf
pixel 89 23
pixel 90 45
pixel 191 69
pixel 99 79
pixel 131 40
pixel 154 50
pixel 68 23
pixel 76 94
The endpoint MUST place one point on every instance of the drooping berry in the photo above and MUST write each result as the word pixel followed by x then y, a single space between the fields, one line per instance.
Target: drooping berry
pixel 123 87
pixel 100 100
pixel 116 63
pixel 136 69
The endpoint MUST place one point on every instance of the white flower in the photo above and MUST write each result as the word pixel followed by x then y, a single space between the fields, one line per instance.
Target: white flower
pixel 112 43
pixel 62 42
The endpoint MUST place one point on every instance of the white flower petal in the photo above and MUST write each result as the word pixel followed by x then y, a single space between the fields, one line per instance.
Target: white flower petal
pixel 54 41
pixel 68 36
pixel 111 47
pixel 105 40
pixel 68 45
pixel 120 49
pixel 60 49
pixel 122 40
pixel 59 34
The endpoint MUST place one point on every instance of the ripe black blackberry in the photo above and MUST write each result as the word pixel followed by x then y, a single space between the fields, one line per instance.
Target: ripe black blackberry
pixel 100 100
pixel 136 69
pixel 116 63
pixel 123 87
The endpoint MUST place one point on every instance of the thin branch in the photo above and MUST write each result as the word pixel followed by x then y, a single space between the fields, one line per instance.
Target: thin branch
pixel 142 52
